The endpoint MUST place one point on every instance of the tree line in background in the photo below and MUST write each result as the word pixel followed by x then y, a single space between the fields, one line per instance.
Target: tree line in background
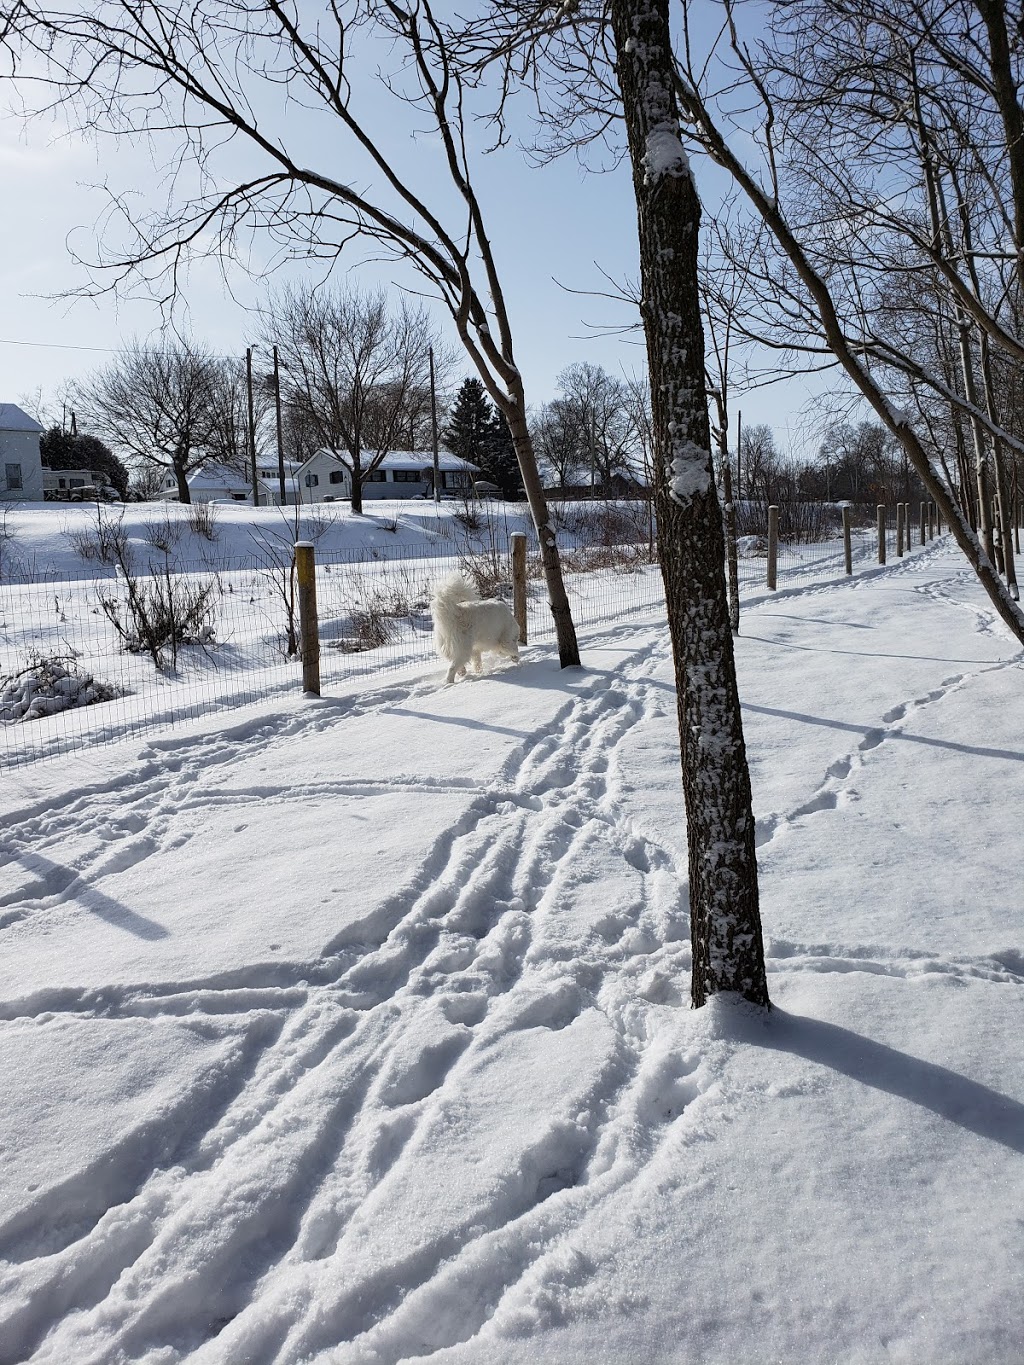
pixel 353 376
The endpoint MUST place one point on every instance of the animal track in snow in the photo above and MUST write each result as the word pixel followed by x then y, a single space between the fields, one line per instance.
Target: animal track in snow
pixel 834 791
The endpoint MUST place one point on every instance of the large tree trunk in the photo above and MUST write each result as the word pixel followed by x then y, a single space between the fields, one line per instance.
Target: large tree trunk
pixel 728 953
pixel 181 474
pixel 356 498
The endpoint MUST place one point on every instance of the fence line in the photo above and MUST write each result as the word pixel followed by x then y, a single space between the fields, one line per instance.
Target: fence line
pixel 72 676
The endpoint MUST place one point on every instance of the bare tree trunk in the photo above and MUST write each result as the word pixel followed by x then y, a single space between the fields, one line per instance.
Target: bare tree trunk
pixel 1006 95
pixel 963 466
pixel 728 953
pixel 356 499
pixel 565 631
pixel 730 546
pixel 180 473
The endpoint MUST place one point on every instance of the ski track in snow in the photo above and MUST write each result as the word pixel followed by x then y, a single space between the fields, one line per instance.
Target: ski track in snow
pixel 339 1041
pixel 348 1059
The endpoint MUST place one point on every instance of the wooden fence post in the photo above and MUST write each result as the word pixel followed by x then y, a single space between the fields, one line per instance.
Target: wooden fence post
pixel 309 630
pixel 924 523
pixel 931 521
pixel 773 546
pixel 938 519
pixel 518 543
pixel 900 514
pixel 880 513
pixel 847 542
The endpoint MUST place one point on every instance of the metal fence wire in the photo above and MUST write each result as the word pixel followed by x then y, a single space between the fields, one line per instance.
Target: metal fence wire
pixel 83 661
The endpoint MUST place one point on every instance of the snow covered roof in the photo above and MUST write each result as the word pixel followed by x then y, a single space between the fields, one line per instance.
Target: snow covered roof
pixel 12 418
pixel 217 476
pixel 409 459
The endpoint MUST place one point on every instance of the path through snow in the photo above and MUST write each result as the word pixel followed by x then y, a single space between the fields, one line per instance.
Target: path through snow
pixel 357 1030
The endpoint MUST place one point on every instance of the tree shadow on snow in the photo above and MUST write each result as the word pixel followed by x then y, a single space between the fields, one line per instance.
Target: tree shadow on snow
pixel 864 653
pixel 71 886
pixel 865 730
pixel 967 1103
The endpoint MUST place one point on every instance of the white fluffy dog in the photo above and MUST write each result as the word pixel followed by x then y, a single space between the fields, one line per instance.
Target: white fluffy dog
pixel 465 626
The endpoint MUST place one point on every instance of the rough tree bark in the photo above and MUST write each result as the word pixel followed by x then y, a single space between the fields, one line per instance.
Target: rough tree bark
pixel 728 953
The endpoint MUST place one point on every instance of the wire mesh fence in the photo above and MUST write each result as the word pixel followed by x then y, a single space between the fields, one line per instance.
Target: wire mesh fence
pixel 109 654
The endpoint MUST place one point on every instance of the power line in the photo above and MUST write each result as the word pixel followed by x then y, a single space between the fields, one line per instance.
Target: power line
pixel 59 346
pixel 98 350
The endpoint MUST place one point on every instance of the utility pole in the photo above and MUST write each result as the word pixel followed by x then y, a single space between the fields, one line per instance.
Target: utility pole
pixel 252 429
pixel 280 432
pixel 433 430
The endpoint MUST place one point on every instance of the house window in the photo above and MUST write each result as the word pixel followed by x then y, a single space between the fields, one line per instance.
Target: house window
pixel 337 476
pixel 14 477
pixel 312 480
pixel 406 476
pixel 457 480
pixel 376 476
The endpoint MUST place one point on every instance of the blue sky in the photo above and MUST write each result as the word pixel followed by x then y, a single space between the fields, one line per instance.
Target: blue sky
pixel 557 230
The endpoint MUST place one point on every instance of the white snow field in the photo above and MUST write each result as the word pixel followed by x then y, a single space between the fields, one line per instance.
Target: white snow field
pixel 357 1030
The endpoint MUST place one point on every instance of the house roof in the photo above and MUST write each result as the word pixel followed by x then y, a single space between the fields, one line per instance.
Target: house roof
pixel 217 476
pixel 407 459
pixel 12 418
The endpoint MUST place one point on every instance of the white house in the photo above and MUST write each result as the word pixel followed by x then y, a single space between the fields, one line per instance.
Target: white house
pixel 327 476
pixel 218 483
pixel 21 470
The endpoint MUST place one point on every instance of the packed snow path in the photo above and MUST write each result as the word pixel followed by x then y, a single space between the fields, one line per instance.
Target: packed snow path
pixel 358 1031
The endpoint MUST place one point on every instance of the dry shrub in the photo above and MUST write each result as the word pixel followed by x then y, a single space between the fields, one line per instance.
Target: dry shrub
pixel 106 541
pixel 163 532
pixel 202 519
pixel 158 614
pixel 375 610
pixel 318 520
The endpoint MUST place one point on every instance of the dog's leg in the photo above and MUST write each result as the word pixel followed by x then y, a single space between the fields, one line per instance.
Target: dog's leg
pixel 453 673
pixel 478 663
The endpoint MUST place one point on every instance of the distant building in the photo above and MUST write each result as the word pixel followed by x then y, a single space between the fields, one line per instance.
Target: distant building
pixel 21 469
pixel 327 477
pixel 218 483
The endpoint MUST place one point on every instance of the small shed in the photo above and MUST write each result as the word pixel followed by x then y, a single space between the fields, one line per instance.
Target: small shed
pixel 21 469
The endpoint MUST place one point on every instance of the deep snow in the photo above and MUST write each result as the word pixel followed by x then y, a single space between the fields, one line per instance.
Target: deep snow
pixel 356 1030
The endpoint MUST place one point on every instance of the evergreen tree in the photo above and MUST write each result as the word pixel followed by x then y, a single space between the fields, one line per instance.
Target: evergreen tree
pixel 498 458
pixel 469 426
pixel 61 450
pixel 478 432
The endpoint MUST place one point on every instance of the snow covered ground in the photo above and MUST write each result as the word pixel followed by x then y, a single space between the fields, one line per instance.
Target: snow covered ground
pixel 357 1030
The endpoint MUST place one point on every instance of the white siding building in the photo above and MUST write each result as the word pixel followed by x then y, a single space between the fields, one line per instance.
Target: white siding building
pixel 326 476
pixel 21 470
pixel 217 483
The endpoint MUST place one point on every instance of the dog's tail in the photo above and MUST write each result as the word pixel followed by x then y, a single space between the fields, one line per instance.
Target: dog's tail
pixel 450 591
